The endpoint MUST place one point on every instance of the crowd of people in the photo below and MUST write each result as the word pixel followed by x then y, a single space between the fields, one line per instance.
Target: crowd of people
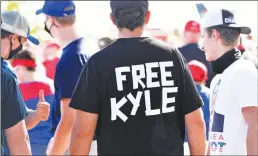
pixel 133 95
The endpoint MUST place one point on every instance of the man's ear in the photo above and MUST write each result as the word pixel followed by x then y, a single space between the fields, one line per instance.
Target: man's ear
pixel 147 17
pixel 215 34
pixel 112 19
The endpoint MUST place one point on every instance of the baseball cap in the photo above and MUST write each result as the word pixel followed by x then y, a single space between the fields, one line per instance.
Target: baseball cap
pixel 193 26
pixel 57 8
pixel 135 4
pixel 198 70
pixel 14 22
pixel 223 18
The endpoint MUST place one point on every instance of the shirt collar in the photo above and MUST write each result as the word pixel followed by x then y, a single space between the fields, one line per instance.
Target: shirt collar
pixel 225 61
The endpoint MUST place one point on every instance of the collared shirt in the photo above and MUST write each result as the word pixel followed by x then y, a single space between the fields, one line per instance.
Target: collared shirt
pixel 68 70
pixel 13 107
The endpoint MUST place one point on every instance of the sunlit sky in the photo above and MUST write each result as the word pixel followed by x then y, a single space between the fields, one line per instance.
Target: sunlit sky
pixel 93 16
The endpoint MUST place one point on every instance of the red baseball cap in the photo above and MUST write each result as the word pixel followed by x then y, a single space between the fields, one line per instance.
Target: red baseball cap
pixel 198 70
pixel 193 26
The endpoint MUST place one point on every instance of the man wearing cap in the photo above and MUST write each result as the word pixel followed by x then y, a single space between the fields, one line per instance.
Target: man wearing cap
pixel 14 33
pixel 60 24
pixel 191 50
pixel 137 94
pixel 233 104
pixel 104 42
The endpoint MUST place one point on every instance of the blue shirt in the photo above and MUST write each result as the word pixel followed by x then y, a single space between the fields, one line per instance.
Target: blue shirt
pixel 68 70
pixel 13 107
pixel 205 94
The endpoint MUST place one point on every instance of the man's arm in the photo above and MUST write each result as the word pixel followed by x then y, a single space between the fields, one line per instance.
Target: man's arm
pixel 83 133
pixel 86 100
pixel 40 114
pixel 246 96
pixel 191 109
pixel 18 139
pixel 195 128
pixel 251 115
pixel 60 142
pixel 31 120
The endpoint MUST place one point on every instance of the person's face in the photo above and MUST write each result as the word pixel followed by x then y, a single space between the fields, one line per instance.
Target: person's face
pixel 10 44
pixel 51 51
pixel 51 27
pixel 209 45
pixel 20 71
pixel 191 37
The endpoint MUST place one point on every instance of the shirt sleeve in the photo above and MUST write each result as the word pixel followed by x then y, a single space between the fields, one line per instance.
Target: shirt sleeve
pixel 66 79
pixel 86 95
pixel 246 88
pixel 191 99
pixel 14 109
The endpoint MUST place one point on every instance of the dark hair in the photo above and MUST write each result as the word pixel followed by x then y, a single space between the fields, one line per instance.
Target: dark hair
pixel 229 36
pixel 129 18
pixel 26 54
pixel 5 34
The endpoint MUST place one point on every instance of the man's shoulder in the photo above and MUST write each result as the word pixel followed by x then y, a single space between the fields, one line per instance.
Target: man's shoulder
pixel 6 76
pixel 242 66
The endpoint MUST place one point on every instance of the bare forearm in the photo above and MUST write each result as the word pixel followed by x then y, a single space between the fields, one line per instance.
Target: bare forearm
pixel 61 140
pixel 251 142
pixel 197 140
pixel 80 145
pixel 20 147
pixel 31 120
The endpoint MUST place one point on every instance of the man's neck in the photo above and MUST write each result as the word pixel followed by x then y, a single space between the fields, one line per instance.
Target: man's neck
pixel 191 42
pixel 126 33
pixel 222 50
pixel 68 35
pixel 28 77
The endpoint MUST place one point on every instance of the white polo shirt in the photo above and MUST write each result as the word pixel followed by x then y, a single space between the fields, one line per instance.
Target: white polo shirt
pixel 231 91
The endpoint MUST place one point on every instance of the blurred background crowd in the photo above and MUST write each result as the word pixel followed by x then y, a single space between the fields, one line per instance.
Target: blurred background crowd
pixel 173 22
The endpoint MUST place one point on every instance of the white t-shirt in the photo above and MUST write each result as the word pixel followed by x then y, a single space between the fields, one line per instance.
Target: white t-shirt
pixel 231 91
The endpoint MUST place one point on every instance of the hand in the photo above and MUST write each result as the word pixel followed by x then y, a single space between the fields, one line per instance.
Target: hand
pixel 43 108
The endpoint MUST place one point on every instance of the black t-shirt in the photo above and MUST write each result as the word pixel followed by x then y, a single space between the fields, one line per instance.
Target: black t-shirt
pixel 141 89
pixel 13 109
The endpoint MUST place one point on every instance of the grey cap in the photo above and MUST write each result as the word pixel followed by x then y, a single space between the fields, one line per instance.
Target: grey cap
pixel 14 22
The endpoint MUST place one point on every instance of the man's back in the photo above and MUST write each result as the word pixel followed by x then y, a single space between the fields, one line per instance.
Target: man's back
pixel 140 97
pixel 12 107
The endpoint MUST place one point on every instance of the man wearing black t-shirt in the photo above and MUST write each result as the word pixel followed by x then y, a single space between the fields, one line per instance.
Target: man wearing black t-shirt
pixel 136 95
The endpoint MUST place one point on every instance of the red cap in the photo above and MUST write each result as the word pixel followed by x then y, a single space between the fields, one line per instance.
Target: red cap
pixel 193 26
pixel 198 70
pixel 241 47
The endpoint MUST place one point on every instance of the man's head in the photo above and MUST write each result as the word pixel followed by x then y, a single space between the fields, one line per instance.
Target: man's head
pixel 14 33
pixel 199 71
pixel 129 14
pixel 220 31
pixel 24 62
pixel 51 50
pixel 59 15
pixel 192 32
pixel 104 42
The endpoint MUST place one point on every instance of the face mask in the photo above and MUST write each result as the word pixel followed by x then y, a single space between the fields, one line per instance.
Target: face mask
pixel 47 30
pixel 15 51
